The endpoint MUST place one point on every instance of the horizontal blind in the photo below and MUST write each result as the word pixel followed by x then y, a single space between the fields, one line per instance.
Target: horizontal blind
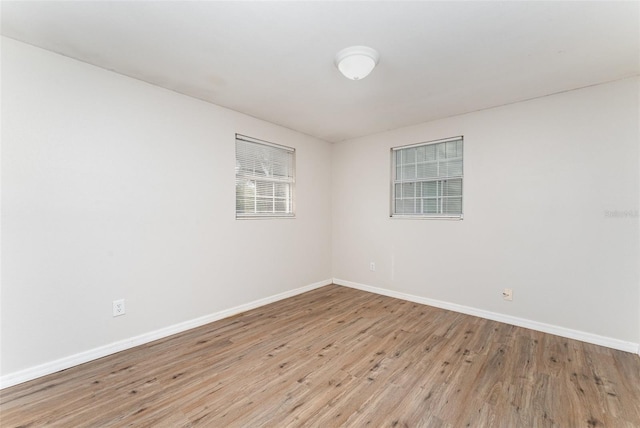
pixel 265 177
pixel 427 179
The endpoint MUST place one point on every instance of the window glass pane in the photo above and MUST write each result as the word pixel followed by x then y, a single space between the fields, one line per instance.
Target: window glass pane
pixel 424 182
pixel 261 163
pixel 264 188
pixel 443 169
pixel 427 170
pixel 242 167
pixel 408 172
pixel 430 152
pixel 450 168
pixel 452 188
pixel 451 149
pixel 245 193
pixel 408 190
pixel 263 172
pixel 280 169
pixel 430 188
pixel 409 156
pixel 429 206
pixel 455 167
pixel 281 189
pixel 452 205
pixel 244 205
pixel 264 205
pixel 409 206
pixel 280 206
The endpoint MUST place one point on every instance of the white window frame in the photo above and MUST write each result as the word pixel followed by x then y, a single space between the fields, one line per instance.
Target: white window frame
pixel 438 179
pixel 288 182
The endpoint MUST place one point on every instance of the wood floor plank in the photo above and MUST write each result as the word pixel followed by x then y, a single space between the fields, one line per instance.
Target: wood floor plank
pixel 341 357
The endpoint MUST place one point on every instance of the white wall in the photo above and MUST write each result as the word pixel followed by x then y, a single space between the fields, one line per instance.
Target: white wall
pixel 113 188
pixel 539 178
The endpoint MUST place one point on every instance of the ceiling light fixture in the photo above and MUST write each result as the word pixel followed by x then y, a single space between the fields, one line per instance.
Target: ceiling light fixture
pixel 356 62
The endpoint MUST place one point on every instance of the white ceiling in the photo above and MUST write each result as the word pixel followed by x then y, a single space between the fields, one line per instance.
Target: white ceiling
pixel 274 60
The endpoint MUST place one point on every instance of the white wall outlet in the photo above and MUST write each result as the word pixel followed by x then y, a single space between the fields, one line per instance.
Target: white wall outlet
pixel 372 267
pixel 507 294
pixel 118 308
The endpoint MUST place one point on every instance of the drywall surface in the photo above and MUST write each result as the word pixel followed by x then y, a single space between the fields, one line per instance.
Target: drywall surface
pixel 551 192
pixel 117 189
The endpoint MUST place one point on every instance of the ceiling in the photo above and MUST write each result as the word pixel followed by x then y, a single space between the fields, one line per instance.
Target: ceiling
pixel 274 60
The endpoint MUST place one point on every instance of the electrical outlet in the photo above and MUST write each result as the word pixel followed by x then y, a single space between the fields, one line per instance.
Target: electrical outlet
pixel 118 308
pixel 372 267
pixel 507 294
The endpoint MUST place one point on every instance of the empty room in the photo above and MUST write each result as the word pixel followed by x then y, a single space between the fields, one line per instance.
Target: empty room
pixel 322 214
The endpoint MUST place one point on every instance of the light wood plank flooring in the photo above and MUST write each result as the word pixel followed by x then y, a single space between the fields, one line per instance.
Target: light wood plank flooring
pixel 341 357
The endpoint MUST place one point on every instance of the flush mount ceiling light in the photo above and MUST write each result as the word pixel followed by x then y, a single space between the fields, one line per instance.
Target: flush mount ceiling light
pixel 356 62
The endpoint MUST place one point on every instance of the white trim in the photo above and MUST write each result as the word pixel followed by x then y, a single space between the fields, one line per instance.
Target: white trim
pixel 427 143
pixel 583 336
pixel 102 351
pixel 426 217
pixel 248 139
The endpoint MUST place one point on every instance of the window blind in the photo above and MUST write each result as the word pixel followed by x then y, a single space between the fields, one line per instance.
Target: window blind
pixel 427 179
pixel 265 178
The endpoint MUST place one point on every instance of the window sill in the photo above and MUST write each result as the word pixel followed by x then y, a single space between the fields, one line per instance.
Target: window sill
pixel 427 217
pixel 265 217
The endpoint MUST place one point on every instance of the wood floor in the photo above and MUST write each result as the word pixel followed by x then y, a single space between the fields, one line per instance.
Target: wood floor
pixel 341 357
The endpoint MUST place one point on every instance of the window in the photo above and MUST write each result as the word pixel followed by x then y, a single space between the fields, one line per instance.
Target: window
pixel 265 178
pixel 427 180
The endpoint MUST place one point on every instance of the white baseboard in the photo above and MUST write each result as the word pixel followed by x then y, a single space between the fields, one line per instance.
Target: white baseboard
pixel 507 319
pixel 102 351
